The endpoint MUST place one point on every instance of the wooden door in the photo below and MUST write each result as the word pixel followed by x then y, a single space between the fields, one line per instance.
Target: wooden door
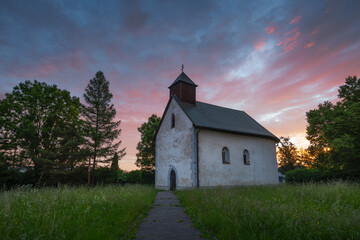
pixel 172 180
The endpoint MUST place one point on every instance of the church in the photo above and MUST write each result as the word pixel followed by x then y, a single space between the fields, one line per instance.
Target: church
pixel 204 145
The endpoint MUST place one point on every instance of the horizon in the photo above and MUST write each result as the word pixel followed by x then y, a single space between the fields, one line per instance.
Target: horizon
pixel 273 60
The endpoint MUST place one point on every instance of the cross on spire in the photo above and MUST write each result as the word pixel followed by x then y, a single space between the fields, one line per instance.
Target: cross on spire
pixel 182 68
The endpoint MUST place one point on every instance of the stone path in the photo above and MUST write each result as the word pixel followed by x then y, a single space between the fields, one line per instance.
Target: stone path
pixel 167 220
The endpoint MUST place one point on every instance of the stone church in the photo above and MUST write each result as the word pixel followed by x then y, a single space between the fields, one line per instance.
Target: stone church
pixel 203 145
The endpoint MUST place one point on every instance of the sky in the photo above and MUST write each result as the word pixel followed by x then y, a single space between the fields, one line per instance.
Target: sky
pixel 275 60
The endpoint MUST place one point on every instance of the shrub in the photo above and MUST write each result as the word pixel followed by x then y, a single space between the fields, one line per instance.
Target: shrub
pixel 303 175
pixel 148 177
pixel 104 175
pixel 134 176
pixel 317 175
pixel 140 177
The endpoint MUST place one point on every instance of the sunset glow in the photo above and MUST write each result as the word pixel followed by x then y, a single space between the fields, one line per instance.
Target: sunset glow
pixel 275 60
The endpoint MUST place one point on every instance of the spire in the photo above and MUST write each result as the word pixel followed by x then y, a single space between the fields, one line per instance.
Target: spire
pixel 183 78
pixel 184 88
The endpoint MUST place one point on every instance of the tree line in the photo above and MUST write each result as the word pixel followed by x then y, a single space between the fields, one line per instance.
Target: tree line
pixel 48 136
pixel 333 130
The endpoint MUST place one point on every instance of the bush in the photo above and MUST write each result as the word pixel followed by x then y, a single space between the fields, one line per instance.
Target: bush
pixel 134 176
pixel 140 177
pixel 104 175
pixel 303 176
pixel 317 175
pixel 12 177
pixel 148 177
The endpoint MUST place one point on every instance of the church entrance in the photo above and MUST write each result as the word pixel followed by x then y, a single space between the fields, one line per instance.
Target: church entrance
pixel 172 180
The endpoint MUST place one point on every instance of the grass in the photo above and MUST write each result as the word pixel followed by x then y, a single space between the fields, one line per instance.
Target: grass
pixel 311 211
pixel 73 213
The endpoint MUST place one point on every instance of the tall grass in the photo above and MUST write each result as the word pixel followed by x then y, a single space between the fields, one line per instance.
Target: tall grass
pixel 311 211
pixel 72 213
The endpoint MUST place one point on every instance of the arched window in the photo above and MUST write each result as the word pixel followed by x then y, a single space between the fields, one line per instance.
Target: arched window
pixel 246 157
pixel 225 155
pixel 172 120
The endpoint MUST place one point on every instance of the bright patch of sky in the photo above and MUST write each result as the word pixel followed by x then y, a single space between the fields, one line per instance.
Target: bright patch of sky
pixel 253 63
pixel 276 116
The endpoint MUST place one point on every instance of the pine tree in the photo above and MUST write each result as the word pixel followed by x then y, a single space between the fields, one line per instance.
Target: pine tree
pixel 99 113
pixel 115 163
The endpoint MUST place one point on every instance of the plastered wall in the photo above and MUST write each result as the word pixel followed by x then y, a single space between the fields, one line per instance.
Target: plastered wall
pixel 175 150
pixel 261 171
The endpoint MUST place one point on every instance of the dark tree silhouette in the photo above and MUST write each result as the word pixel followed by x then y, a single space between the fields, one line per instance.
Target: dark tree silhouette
pixel 99 113
pixel 334 131
pixel 146 147
pixel 40 126
pixel 287 155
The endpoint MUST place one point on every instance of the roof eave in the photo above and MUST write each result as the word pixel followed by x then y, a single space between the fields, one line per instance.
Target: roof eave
pixel 174 83
pixel 238 132
pixel 162 117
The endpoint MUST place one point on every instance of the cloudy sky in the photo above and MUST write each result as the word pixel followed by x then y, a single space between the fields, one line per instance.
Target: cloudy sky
pixel 273 59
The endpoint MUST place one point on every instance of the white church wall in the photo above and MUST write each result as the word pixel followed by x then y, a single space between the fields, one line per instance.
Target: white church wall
pixel 175 150
pixel 212 172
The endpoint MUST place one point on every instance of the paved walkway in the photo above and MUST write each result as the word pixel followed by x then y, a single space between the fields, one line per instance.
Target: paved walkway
pixel 167 220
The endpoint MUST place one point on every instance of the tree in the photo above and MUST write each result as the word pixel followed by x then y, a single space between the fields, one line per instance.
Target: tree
pixel 286 155
pixel 146 147
pixel 304 158
pixel 334 131
pixel 115 163
pixel 99 114
pixel 34 119
pixel 350 92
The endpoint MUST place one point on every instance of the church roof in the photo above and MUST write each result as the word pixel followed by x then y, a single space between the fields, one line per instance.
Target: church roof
pixel 183 78
pixel 223 119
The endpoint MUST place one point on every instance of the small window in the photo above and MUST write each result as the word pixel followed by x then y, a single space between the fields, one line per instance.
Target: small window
pixel 246 157
pixel 172 120
pixel 225 155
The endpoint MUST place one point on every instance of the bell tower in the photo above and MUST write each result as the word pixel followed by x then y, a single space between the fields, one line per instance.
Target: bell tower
pixel 184 88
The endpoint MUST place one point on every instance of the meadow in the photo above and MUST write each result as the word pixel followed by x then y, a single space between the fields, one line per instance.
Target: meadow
pixel 309 211
pixel 104 212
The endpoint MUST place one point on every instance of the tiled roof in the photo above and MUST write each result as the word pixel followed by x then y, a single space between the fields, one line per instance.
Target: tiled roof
pixel 223 119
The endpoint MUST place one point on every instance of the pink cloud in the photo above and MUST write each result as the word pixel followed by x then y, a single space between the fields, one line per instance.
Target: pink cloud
pixel 260 45
pixel 316 30
pixel 290 42
pixel 270 29
pixel 51 65
pixel 310 44
pixel 295 20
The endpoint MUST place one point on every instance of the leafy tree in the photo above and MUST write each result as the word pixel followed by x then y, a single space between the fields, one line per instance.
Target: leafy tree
pixel 34 120
pixel 286 155
pixel 115 163
pixel 334 131
pixel 146 147
pixel 350 92
pixel 304 158
pixel 99 114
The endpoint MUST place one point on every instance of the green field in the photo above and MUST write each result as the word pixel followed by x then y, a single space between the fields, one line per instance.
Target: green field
pixel 73 213
pixel 312 211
